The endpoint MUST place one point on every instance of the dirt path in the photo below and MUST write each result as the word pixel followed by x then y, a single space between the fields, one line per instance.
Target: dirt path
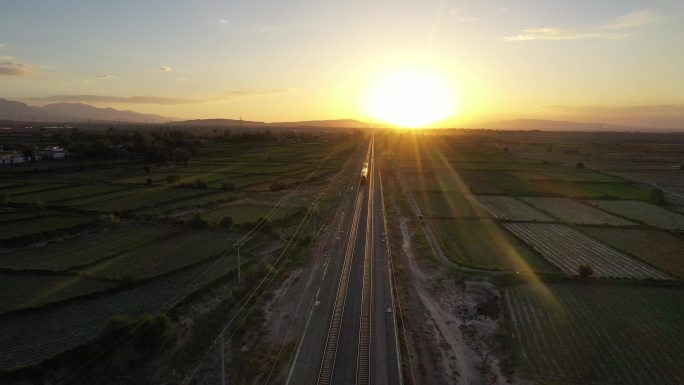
pixel 464 318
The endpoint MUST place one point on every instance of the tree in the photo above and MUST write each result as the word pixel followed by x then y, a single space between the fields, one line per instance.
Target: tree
pixel 656 196
pixel 579 165
pixel 173 179
pixel 585 271
pixel 228 186
pixel 197 221
pixel 181 155
pixel 148 181
pixel 227 222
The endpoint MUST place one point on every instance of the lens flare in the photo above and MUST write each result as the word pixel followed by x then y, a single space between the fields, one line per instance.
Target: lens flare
pixel 411 98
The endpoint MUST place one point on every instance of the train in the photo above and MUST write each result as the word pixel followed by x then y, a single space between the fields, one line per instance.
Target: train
pixel 364 173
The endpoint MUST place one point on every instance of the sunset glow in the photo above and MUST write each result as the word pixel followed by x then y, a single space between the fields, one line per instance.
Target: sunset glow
pixel 410 98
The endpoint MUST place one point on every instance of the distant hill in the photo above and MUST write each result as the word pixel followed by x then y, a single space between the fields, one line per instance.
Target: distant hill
pixel 336 123
pixel 70 112
pixel 552 125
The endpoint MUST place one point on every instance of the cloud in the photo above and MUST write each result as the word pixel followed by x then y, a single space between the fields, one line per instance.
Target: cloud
pixel 2 45
pixel 223 21
pixel 161 100
pixel 634 19
pixel 563 34
pixel 165 68
pixel 618 28
pixel 9 66
pixel 106 76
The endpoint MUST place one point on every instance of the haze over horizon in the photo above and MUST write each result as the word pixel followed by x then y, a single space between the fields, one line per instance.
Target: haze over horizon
pixel 615 62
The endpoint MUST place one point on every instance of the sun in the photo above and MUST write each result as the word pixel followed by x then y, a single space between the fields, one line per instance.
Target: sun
pixel 410 98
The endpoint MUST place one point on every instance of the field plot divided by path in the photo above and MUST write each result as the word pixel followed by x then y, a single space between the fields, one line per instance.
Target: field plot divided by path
pixel 645 212
pixel 164 255
pixel 659 248
pixel 481 243
pixel 448 204
pixel 28 227
pixel 85 249
pixel 568 248
pixel 511 209
pixel 601 334
pixel 570 211
pixel 64 327
pixel 24 291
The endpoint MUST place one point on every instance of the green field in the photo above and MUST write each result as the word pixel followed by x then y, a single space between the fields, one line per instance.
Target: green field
pixel 33 337
pixel 165 255
pixel 601 334
pixel 644 212
pixel 620 190
pixel 659 248
pixel 445 204
pixel 85 249
pixel 25 291
pixel 143 198
pixel 247 214
pixel 27 227
pixel 67 193
pixel 481 243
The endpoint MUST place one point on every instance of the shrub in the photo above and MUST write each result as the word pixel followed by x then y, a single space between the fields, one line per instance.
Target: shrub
pixel 579 165
pixel 277 186
pixel 228 186
pixel 197 221
pixel 585 271
pixel 173 179
pixel 227 222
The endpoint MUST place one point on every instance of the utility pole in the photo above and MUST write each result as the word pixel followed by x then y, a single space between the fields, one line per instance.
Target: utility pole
pixel 223 361
pixel 238 264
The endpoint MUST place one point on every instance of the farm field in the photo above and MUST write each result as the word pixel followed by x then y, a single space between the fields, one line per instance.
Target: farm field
pixel 599 334
pixel 247 213
pixel 83 250
pixel 445 204
pixel 511 209
pixel 80 321
pixel 84 241
pixel 568 248
pixel 164 255
pixel 570 211
pixel 25 291
pixel 659 248
pixel 644 212
pixel 67 193
pixel 620 190
pixel 481 243
pixel 27 227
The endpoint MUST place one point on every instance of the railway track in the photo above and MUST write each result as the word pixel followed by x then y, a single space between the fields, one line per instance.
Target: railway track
pixel 329 353
pixel 364 355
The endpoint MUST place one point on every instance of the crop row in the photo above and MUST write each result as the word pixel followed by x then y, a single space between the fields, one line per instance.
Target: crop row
pixel 33 337
pixel 164 255
pixel 601 334
pixel 511 209
pixel 83 250
pixel 24 291
pixel 570 211
pixel 568 248
pixel 644 212
pixel 481 243
pixel 28 227
pixel 657 247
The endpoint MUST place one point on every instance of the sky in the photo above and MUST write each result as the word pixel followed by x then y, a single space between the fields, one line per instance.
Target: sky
pixel 277 60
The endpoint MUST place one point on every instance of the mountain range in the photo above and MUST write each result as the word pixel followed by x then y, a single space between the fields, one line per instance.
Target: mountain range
pixel 79 112
pixel 73 112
